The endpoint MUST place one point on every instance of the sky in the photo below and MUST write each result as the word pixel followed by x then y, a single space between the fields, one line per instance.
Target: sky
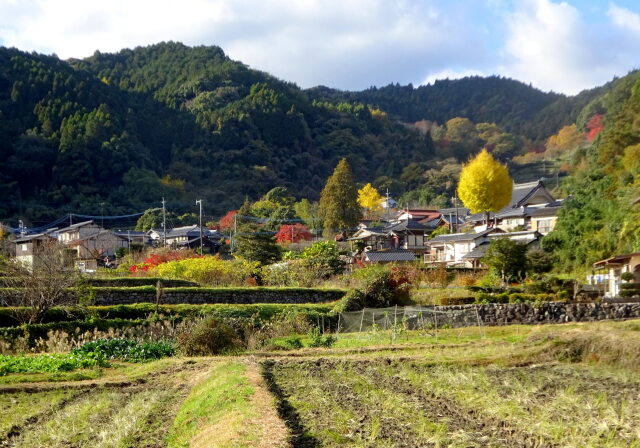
pixel 561 46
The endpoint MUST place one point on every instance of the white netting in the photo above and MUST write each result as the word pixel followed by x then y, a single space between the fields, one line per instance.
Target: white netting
pixel 409 317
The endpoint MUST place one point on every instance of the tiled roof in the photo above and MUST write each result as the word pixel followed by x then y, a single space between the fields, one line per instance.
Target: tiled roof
pixel 407 224
pixel 75 226
pixel 477 252
pixel 375 256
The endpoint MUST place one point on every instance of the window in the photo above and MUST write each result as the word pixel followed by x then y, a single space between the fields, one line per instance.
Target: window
pixel 544 225
pixel 24 248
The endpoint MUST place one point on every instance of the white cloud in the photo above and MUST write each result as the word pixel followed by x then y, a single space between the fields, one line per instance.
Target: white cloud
pixel 451 74
pixel 552 46
pixel 341 43
pixel 350 44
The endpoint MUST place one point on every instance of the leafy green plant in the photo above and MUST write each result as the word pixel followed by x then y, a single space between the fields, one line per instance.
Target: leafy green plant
pixel 50 362
pixel 318 340
pixel 126 349
pixel 292 343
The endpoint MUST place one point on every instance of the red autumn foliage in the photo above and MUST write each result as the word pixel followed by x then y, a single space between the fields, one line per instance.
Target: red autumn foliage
pixel 595 126
pixel 295 232
pixel 226 222
pixel 157 258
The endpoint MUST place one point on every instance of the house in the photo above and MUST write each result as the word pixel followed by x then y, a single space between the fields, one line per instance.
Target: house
pixel 450 250
pixel 187 237
pixel 609 272
pixel 532 207
pixel 29 247
pixel 388 256
pixel 454 218
pixel 133 236
pixel 407 234
pixel 103 243
pixel 88 241
pixel 529 237
pixel 419 214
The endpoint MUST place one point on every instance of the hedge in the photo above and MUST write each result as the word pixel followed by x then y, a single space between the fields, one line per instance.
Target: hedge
pixel 141 311
pixel 119 282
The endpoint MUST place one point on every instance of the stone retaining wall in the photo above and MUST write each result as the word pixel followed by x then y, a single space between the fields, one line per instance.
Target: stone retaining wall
pixel 535 313
pixel 197 296
pixel 241 296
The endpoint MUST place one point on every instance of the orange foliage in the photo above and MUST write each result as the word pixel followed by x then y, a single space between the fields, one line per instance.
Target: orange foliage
pixel 293 233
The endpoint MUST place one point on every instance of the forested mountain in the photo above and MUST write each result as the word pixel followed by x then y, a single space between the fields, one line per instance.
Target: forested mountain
pixel 125 129
pixel 602 215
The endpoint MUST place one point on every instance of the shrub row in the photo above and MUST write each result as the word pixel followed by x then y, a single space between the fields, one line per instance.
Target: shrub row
pixel 518 297
pixel 263 311
pixel 118 282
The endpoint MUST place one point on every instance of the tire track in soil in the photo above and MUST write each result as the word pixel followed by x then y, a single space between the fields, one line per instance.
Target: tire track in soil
pixel 299 433
pixel 435 408
pixel 401 434
pixel 17 430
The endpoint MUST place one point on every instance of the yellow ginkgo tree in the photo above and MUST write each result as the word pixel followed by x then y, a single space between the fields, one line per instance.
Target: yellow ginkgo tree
pixel 370 200
pixel 485 185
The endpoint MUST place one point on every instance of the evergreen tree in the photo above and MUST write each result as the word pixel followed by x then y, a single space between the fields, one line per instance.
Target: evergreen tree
pixel 339 208
pixel 253 241
pixel 485 185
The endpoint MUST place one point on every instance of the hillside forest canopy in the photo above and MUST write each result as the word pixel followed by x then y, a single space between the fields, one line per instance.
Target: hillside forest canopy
pixel 114 133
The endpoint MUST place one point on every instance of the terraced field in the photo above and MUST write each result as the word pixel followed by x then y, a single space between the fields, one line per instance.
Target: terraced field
pixel 553 386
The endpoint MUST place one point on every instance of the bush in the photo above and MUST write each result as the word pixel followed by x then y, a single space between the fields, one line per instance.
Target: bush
pixel 444 301
pixel 380 286
pixel 318 340
pixel 323 258
pixel 292 343
pixel 126 349
pixel 486 298
pixel 437 277
pixel 354 300
pixel 627 276
pixel 208 270
pixel 208 336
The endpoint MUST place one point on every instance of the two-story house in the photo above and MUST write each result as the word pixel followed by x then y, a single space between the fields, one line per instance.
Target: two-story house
pixel 450 250
pixel 187 237
pixel 406 234
pixel 28 248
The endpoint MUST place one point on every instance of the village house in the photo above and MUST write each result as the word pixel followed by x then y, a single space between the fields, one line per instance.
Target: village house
pixel 187 237
pixel 608 273
pixel 467 249
pixel 388 256
pixel 407 234
pixel 450 250
pixel 532 207
pixel 28 248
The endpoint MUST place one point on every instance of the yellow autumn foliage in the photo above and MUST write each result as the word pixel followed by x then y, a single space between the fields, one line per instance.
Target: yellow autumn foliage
pixel 485 185
pixel 370 199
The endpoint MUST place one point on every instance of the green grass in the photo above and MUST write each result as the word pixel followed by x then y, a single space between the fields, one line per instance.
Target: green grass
pixel 223 397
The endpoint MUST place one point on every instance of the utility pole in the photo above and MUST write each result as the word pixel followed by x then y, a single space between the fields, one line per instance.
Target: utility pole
pixel 455 202
pixel 235 232
pixel 199 202
pixel 164 224
pixel 22 228
pixel 388 205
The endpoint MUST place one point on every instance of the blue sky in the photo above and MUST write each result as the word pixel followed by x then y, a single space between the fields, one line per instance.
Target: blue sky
pixel 564 46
